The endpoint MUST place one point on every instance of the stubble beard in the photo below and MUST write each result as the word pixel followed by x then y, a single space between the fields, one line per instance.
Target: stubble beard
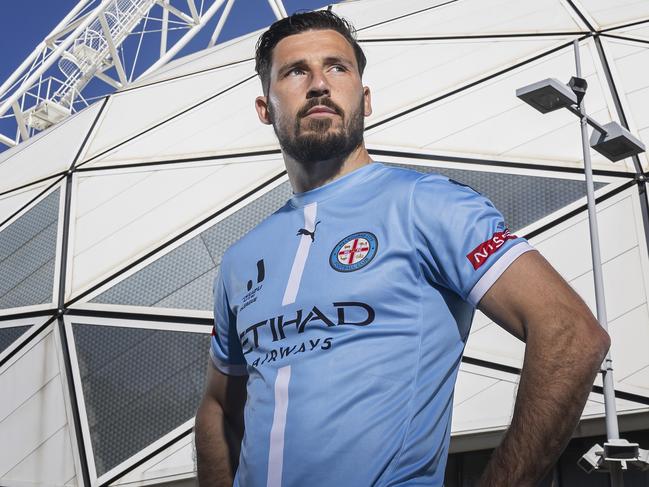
pixel 312 140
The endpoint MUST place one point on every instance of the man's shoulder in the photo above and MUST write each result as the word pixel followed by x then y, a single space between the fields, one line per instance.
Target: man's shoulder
pixel 429 183
pixel 398 174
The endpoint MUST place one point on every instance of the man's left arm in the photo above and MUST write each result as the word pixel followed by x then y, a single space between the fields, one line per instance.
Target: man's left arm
pixel 565 346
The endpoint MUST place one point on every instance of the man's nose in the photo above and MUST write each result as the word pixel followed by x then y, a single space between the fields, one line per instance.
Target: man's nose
pixel 318 85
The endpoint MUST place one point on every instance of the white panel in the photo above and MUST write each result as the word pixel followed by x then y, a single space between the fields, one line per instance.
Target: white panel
pixel 567 247
pixel 370 12
pixel 477 17
pixel 623 285
pixel 180 460
pixel 608 13
pixel 495 344
pixel 469 384
pixel 489 120
pixel 235 50
pixel 427 69
pixel 628 61
pixel 133 111
pixel 629 340
pixel 636 32
pixel 51 463
pixel 595 406
pixel 226 124
pixel 488 397
pixel 51 153
pixel 11 203
pixel 34 422
pixel 147 208
pixel 490 408
pixel 640 379
pixel 26 376
pixel 480 320
pixel 175 461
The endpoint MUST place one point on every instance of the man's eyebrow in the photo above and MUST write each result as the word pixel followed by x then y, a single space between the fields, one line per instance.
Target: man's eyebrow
pixel 292 64
pixel 302 63
pixel 337 60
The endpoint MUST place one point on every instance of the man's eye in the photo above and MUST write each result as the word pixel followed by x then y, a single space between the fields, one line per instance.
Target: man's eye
pixel 339 68
pixel 294 72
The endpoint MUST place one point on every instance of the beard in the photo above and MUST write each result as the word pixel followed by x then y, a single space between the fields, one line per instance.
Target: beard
pixel 311 140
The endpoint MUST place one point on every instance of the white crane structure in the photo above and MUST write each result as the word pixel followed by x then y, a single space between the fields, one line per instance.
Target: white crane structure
pixel 92 42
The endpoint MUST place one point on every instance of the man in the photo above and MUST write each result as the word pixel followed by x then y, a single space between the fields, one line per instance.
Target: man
pixel 343 316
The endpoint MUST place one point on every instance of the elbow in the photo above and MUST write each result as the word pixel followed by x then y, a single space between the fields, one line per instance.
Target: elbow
pixel 594 340
pixel 604 342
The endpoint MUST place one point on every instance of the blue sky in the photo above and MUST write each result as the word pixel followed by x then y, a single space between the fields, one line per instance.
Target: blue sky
pixel 26 23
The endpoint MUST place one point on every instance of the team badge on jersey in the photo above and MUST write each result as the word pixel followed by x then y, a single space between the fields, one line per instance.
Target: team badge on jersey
pixel 354 252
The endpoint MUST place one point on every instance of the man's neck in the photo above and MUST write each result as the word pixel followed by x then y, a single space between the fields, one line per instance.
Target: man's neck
pixel 305 177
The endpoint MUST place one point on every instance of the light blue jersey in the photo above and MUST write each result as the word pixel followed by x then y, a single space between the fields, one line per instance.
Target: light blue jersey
pixel 349 309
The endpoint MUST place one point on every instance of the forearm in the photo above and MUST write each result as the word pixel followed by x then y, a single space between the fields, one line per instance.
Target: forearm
pixel 217 446
pixel 556 379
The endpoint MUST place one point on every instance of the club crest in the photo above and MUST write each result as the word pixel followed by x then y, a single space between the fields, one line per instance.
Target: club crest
pixel 354 252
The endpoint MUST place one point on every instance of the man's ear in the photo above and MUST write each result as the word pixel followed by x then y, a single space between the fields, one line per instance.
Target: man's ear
pixel 261 105
pixel 367 101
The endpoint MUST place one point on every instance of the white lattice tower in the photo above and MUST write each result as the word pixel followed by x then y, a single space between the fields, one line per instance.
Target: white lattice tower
pixel 89 43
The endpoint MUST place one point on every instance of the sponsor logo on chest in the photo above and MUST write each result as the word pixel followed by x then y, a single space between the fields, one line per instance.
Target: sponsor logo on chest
pixel 265 340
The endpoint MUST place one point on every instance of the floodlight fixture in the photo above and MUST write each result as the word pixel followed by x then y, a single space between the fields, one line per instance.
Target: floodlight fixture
pixel 615 451
pixel 616 142
pixel 642 462
pixel 591 460
pixel 547 95
pixel 578 87
pixel 620 450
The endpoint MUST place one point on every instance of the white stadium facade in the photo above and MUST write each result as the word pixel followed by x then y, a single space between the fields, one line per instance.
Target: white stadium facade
pixel 113 223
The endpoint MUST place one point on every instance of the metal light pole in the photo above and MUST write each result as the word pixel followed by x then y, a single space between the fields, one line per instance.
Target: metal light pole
pixel 612 430
pixel 615 143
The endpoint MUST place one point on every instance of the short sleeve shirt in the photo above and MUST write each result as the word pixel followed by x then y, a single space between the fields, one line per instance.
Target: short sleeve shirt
pixel 349 309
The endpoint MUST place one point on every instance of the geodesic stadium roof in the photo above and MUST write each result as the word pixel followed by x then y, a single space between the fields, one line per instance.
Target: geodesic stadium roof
pixel 118 217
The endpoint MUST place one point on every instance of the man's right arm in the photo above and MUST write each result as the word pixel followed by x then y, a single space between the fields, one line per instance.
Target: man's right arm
pixel 219 428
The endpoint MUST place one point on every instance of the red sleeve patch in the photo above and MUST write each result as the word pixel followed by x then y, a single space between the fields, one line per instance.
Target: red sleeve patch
pixel 481 253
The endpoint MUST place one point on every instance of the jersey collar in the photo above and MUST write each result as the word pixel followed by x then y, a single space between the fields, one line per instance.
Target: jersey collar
pixel 326 191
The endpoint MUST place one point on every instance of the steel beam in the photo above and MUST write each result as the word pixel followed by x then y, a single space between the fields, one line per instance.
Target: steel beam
pixel 221 23
pixel 209 13
pixel 113 50
pixel 53 57
pixel 165 29
pixel 178 13
pixel 20 120
pixel 7 141
pixel 41 47
pixel 193 11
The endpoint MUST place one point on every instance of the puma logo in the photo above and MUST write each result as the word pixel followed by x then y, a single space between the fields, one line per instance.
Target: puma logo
pixel 304 231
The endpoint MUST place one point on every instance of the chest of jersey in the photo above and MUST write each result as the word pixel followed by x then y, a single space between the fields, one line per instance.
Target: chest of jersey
pixel 344 335
pixel 340 273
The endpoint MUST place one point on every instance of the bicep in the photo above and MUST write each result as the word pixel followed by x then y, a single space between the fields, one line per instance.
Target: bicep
pixel 531 297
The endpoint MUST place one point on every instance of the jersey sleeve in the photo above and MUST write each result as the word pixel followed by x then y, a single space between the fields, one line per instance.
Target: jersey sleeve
pixel 461 238
pixel 225 349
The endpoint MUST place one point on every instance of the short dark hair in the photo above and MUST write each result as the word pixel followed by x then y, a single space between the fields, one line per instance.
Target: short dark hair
pixel 296 24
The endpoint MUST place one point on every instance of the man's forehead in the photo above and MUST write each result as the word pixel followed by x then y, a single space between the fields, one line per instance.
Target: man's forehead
pixel 312 44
